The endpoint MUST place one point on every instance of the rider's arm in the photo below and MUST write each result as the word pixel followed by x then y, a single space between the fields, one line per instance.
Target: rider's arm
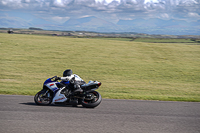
pixel 67 78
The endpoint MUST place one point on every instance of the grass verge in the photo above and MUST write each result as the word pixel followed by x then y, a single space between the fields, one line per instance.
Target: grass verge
pixel 127 69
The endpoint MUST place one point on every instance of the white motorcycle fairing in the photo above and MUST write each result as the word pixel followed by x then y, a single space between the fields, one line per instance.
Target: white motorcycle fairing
pixel 58 97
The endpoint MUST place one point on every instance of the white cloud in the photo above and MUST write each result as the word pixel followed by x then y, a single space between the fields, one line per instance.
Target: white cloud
pixel 58 3
pixel 193 14
pixel 106 1
pixel 164 16
pixel 151 1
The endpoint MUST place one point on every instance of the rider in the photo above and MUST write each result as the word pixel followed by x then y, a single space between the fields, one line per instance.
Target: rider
pixel 68 75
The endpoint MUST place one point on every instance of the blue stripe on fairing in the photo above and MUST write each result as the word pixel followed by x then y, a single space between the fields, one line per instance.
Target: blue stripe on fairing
pixel 65 82
pixel 48 81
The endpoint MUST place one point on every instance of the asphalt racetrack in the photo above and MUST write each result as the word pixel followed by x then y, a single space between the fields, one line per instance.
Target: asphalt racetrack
pixel 19 114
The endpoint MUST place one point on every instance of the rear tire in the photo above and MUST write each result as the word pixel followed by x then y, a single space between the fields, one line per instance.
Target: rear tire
pixel 43 97
pixel 93 102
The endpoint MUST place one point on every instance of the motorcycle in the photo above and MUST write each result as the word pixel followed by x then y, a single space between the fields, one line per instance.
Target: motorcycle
pixel 55 92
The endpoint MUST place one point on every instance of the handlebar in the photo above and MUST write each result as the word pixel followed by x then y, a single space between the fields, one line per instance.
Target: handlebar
pixel 55 78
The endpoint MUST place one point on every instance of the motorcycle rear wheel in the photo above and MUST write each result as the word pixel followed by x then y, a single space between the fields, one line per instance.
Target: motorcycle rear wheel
pixel 94 102
pixel 43 97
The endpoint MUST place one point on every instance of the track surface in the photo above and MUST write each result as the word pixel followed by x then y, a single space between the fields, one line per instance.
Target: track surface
pixel 19 114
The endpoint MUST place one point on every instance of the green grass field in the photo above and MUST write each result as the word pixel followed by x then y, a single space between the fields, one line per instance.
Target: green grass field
pixel 127 69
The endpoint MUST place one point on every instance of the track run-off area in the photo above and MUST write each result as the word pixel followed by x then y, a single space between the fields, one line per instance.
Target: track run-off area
pixel 19 114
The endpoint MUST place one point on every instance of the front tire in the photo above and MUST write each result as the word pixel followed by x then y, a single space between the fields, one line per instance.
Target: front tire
pixel 94 102
pixel 43 97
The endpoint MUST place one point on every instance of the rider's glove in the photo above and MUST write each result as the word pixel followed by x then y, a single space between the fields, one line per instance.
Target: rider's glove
pixel 72 80
pixel 57 78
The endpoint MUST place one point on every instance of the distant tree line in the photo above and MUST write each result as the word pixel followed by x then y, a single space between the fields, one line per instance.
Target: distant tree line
pixel 33 28
pixel 195 40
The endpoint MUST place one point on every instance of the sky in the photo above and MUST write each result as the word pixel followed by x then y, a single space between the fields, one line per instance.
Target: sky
pixel 60 11
pixel 56 12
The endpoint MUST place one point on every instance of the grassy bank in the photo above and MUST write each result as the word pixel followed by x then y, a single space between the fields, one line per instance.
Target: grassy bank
pixel 127 69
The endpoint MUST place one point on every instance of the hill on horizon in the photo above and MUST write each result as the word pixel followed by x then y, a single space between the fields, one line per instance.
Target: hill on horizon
pixel 92 23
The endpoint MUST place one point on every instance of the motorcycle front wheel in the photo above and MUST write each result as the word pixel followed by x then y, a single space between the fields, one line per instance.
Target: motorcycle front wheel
pixel 92 101
pixel 43 97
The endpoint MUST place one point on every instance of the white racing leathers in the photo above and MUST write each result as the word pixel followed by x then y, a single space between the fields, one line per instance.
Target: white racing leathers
pixel 77 80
